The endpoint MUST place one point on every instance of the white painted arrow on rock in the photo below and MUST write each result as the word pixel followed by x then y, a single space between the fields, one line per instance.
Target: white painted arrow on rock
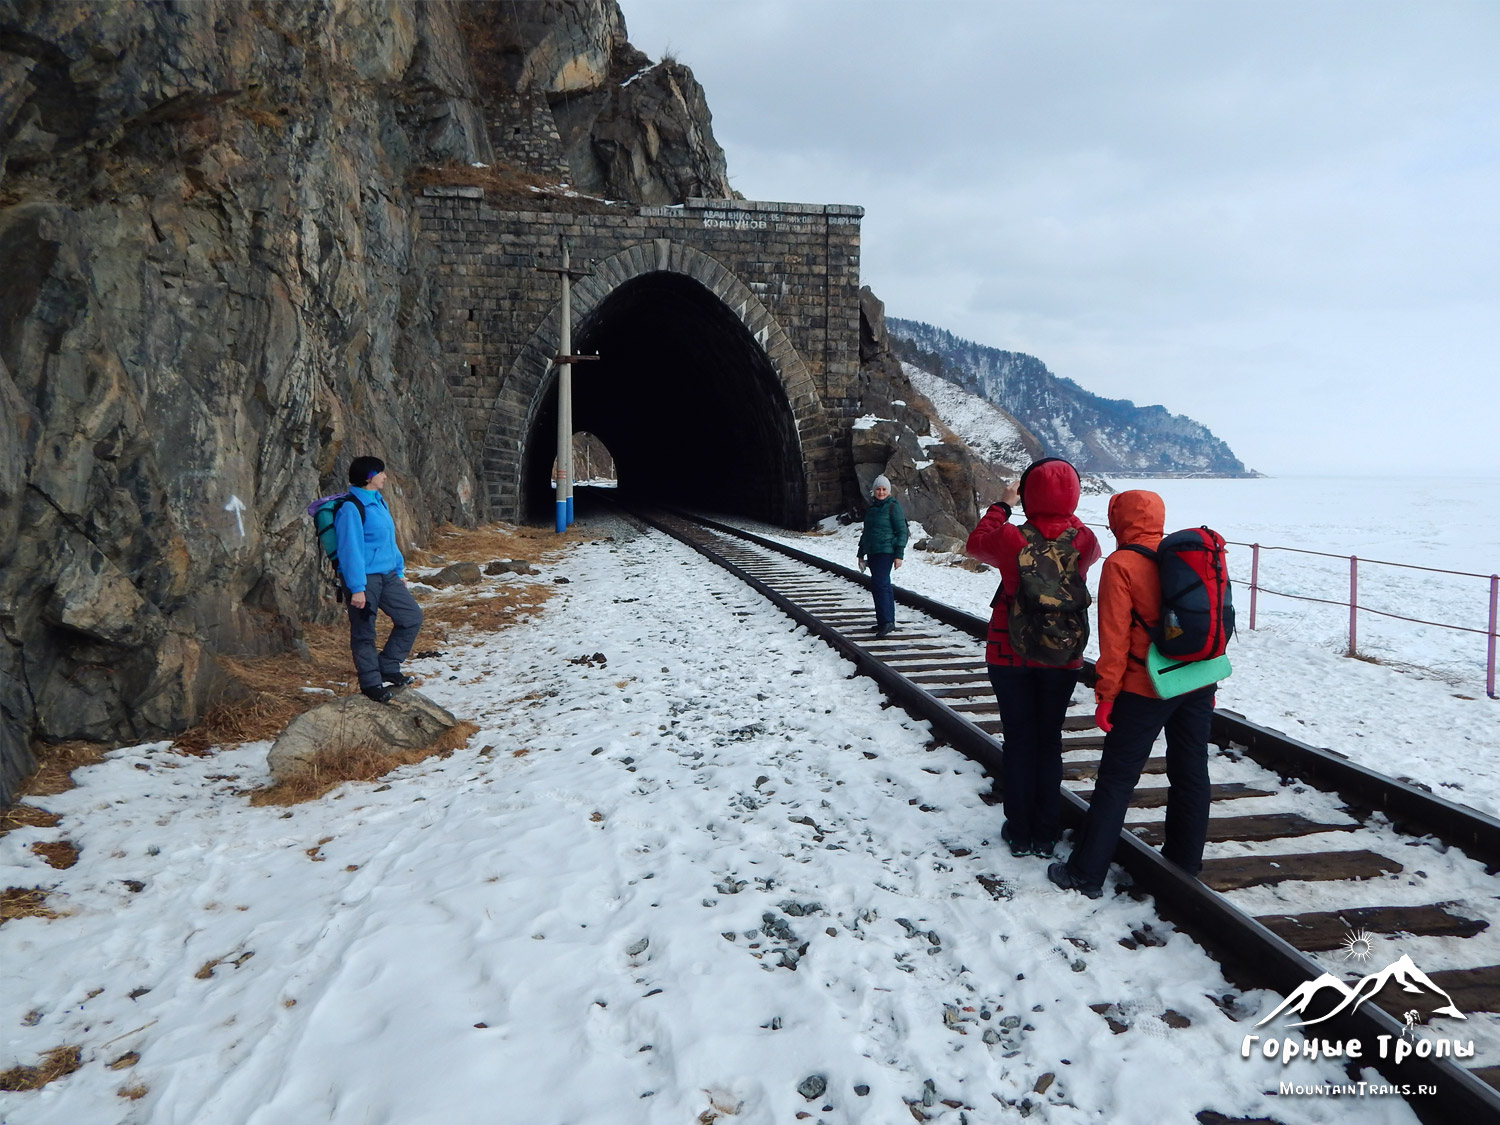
pixel 236 505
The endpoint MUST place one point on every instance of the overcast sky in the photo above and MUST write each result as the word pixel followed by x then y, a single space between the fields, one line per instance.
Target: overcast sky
pixel 1281 219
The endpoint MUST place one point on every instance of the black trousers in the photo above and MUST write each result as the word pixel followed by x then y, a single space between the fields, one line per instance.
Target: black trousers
pixel 1137 721
pixel 1033 703
pixel 388 594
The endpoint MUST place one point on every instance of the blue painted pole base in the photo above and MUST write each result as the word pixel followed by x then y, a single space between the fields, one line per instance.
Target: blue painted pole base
pixel 570 511
pixel 562 517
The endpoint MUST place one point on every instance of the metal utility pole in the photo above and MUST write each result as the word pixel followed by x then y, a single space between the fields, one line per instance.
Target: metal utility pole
pixel 564 362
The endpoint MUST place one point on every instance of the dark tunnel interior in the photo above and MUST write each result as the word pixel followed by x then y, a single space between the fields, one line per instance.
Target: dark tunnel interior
pixel 687 403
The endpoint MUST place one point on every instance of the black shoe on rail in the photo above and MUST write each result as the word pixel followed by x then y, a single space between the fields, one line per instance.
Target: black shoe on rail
pixel 1018 848
pixel 1060 876
pixel 380 693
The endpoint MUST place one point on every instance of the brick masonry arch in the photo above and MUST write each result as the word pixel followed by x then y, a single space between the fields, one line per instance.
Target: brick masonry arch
pixel 531 379
pixel 788 274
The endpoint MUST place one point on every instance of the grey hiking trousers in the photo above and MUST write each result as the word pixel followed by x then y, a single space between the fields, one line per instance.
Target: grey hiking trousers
pixel 388 594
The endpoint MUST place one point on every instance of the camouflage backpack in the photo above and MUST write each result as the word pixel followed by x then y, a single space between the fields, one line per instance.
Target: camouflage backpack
pixel 1049 612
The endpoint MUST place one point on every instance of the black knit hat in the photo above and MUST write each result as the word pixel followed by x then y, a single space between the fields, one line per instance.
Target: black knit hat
pixel 362 469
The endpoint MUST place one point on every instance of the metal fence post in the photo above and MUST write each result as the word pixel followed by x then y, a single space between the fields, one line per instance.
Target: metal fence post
pixel 1254 579
pixel 1353 601
pixel 1489 667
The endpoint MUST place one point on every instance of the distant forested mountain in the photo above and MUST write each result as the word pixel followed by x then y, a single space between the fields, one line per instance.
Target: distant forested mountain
pixel 1100 435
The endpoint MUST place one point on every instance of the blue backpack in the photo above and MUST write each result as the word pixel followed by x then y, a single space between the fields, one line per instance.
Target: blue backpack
pixel 323 510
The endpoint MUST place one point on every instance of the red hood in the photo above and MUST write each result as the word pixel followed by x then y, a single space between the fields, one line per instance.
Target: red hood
pixel 1049 495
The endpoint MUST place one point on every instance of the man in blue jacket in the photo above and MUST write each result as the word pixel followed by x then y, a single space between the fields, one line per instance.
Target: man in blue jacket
pixel 374 575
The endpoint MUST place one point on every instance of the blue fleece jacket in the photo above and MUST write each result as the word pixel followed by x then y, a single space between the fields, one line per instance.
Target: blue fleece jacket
pixel 367 549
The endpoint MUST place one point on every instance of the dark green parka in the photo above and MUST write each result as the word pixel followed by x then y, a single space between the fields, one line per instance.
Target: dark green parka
pixel 885 529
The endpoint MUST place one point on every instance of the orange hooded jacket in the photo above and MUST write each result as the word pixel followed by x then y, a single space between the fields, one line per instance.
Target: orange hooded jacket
pixel 1129 596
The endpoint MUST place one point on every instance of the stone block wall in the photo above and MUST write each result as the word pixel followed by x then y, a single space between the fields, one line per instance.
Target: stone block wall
pixel 523 132
pixel 789 271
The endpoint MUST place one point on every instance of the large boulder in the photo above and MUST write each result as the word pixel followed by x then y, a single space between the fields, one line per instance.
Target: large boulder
pixel 410 721
pixel 455 574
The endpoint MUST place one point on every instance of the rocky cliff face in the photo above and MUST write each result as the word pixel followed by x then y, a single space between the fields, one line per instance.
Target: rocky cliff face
pixel 1098 435
pixel 212 296
pixel 941 482
pixel 620 126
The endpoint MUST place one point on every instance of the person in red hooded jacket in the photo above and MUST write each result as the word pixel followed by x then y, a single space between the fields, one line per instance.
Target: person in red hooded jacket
pixel 1131 713
pixel 1033 697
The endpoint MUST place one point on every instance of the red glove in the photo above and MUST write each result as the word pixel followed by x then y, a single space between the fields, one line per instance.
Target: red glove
pixel 1101 715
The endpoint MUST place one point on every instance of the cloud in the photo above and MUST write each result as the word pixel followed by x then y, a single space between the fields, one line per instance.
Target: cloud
pixel 1275 218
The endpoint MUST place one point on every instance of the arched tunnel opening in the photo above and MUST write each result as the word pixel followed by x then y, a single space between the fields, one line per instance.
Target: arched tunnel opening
pixel 687 403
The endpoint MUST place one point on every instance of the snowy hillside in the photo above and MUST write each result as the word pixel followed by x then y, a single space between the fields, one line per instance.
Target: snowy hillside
pixel 986 429
pixel 1097 434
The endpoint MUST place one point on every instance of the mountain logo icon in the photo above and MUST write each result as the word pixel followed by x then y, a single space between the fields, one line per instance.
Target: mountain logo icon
pixel 1351 995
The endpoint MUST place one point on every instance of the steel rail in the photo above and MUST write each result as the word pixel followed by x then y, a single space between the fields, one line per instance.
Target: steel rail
pixel 1414 810
pixel 1251 955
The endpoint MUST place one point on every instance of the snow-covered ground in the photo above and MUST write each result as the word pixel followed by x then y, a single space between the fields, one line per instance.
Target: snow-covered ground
pixel 1424 715
pixel 706 877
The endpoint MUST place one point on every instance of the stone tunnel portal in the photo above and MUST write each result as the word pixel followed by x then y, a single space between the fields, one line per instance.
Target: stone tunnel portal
pixel 687 402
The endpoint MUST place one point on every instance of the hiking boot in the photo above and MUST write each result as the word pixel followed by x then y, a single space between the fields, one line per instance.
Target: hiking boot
pixel 380 693
pixel 399 680
pixel 884 630
pixel 1060 876
pixel 1017 847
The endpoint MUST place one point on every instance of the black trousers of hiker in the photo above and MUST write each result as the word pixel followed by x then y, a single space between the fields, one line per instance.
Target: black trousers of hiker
pixel 1137 720
pixel 384 593
pixel 1033 703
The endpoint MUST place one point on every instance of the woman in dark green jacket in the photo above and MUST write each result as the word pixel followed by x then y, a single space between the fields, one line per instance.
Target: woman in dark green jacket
pixel 881 545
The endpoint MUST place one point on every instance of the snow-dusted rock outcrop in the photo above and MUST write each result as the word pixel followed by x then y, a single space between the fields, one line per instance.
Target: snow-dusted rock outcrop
pixel 410 721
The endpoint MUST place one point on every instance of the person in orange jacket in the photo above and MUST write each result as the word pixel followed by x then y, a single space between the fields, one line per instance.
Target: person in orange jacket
pixel 1132 715
pixel 1032 697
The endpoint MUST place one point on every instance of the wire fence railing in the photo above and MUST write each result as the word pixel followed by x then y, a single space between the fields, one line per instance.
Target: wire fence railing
pixel 1410 602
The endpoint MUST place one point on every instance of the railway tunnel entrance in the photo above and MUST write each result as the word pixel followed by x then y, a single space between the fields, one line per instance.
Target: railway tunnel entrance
pixel 686 400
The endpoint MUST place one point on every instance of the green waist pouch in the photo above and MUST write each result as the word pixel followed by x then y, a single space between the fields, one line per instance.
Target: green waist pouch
pixel 1172 678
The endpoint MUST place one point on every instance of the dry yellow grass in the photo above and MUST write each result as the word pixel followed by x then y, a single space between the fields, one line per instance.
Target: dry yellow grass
pixel 26 816
pixel 506 181
pixel 55 1064
pixel 358 763
pixel 494 541
pixel 486 614
pixel 56 763
pixel 24 902
pixel 267 693
pixel 59 854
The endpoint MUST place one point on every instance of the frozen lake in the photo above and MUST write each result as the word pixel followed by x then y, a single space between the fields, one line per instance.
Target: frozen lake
pixel 1445 523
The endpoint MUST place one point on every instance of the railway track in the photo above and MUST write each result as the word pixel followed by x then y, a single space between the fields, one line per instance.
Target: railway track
pixel 1290 824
